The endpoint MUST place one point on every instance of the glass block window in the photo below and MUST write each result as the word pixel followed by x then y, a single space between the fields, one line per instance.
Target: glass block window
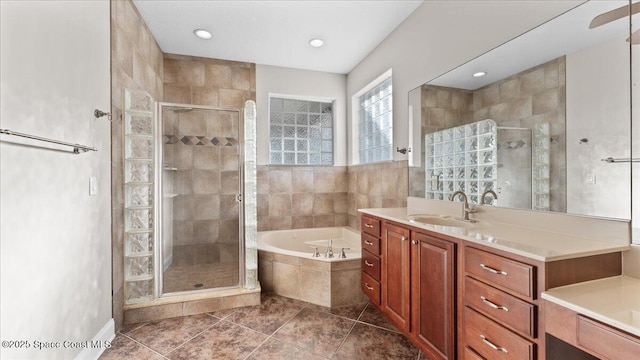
pixel 376 123
pixel 462 158
pixel 300 132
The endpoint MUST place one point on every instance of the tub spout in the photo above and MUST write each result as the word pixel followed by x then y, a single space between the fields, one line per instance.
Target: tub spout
pixel 329 253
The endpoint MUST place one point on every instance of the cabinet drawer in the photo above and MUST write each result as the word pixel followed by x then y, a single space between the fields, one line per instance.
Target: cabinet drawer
pixel 370 226
pixel 370 243
pixel 469 354
pixel 500 306
pixel 371 265
pixel 371 288
pixel 606 342
pixel 492 341
pixel 503 272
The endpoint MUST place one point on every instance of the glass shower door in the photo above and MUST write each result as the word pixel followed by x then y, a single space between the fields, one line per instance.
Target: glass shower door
pixel 201 241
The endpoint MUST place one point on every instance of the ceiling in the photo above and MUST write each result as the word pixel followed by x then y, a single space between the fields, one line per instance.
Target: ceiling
pixel 273 32
pixel 562 35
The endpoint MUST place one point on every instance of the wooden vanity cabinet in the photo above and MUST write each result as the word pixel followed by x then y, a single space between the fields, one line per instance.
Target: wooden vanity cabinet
pixel 370 262
pixel 450 296
pixel 589 335
pixel 418 287
pixel 396 275
pixel 501 313
pixel 433 295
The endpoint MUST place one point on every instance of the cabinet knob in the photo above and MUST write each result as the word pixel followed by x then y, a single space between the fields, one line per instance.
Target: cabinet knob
pixel 415 242
pixel 404 238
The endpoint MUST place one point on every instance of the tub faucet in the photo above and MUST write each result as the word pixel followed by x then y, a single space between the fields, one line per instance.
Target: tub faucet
pixel 329 253
pixel 466 210
pixel 343 255
pixel 485 193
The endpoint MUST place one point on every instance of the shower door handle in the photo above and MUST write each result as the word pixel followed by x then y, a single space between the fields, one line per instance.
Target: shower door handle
pixel 238 197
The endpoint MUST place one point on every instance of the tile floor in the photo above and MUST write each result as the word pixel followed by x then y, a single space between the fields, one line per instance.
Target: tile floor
pixel 280 328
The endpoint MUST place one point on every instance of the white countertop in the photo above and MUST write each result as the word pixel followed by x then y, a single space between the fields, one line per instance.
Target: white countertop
pixel 529 242
pixel 614 301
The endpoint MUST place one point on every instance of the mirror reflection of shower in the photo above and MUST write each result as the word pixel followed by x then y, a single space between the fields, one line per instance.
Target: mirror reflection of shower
pixel 200 237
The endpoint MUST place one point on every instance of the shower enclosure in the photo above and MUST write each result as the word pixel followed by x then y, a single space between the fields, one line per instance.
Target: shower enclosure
pixel 190 199
pixel 512 161
pixel 201 230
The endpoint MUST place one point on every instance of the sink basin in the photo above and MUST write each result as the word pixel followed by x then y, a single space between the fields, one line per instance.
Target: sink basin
pixel 440 220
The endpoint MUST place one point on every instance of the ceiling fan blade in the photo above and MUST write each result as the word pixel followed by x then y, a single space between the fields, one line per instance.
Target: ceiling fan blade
pixel 635 36
pixel 614 15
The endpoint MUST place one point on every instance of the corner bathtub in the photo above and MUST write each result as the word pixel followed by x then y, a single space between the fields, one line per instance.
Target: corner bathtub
pixel 287 267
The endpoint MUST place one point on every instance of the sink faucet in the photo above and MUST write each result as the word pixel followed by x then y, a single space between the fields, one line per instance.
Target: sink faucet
pixel 487 192
pixel 466 209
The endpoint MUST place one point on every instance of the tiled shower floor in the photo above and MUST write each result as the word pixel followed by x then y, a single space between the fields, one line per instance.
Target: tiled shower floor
pixel 209 276
pixel 280 328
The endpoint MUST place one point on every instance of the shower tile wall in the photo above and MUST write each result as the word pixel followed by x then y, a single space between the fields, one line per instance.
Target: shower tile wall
pixel 294 197
pixel 202 145
pixel 210 82
pixel 136 61
pixel 205 209
pixel 522 100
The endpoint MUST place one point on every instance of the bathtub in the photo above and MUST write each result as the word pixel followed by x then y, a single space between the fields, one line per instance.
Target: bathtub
pixel 303 242
pixel 287 267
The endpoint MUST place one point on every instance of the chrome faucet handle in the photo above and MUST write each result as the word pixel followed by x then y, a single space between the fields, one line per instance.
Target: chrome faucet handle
pixel 316 253
pixel 329 253
pixel 343 255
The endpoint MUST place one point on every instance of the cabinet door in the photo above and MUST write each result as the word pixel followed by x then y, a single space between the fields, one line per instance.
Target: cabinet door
pixel 396 275
pixel 432 300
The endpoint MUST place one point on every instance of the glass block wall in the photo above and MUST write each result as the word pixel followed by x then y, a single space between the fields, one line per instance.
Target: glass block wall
pixel 300 132
pixel 139 196
pixel 541 166
pixel 461 158
pixel 375 126
pixel 250 196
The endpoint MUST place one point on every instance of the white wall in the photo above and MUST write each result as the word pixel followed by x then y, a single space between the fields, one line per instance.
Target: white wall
pixel 55 238
pixel 287 81
pixel 598 110
pixel 438 36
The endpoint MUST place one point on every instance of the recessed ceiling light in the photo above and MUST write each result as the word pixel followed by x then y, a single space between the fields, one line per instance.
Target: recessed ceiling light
pixel 480 74
pixel 316 42
pixel 202 34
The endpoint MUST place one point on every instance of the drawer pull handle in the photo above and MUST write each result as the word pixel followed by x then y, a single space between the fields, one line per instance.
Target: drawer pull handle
pixel 369 287
pixel 493 305
pixel 492 345
pixel 368 242
pixel 368 226
pixel 492 270
pixel 368 263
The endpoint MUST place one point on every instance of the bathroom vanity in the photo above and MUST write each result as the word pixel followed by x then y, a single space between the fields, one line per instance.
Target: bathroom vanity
pixel 473 290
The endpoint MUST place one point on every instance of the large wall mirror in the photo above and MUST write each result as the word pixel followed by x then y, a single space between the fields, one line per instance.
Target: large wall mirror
pixel 536 128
